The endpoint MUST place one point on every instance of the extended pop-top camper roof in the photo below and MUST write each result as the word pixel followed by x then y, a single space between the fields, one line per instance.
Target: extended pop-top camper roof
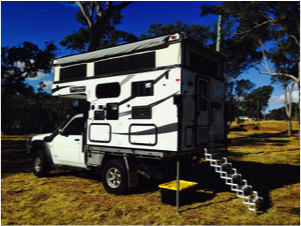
pixel 131 48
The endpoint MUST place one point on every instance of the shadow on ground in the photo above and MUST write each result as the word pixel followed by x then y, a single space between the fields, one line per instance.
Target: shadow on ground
pixel 14 158
pixel 262 177
pixel 261 139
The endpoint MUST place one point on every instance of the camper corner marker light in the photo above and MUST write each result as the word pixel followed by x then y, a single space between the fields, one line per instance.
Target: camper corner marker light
pixel 174 37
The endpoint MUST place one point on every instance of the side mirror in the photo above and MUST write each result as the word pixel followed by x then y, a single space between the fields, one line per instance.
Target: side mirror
pixel 60 131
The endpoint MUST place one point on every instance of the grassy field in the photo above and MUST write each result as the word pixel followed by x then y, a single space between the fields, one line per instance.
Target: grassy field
pixel 263 153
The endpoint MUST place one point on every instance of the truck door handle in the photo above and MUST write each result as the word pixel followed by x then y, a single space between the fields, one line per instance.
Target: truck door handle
pixel 76 139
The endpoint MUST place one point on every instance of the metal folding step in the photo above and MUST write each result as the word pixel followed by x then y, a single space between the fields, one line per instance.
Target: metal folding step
pixel 235 181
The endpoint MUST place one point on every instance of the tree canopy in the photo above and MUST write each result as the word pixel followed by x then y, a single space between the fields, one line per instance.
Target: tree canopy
pixel 200 33
pixel 257 101
pixel 21 62
pixel 99 20
pixel 24 110
pixel 280 113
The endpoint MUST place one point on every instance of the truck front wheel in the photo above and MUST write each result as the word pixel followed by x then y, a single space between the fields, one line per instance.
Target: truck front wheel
pixel 114 177
pixel 40 165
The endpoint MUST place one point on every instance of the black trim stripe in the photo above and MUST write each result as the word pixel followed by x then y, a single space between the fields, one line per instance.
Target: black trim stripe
pixel 166 73
pixel 126 100
pixel 160 130
pixel 162 100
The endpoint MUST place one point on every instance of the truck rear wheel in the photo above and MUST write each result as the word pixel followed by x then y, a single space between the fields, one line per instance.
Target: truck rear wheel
pixel 40 165
pixel 114 177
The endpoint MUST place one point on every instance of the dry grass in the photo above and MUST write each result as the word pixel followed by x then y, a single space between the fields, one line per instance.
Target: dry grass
pixel 268 159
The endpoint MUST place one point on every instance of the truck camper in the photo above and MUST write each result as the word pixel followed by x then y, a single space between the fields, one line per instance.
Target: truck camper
pixel 149 103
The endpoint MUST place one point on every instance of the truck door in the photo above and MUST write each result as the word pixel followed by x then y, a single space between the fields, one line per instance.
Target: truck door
pixel 67 145
pixel 202 111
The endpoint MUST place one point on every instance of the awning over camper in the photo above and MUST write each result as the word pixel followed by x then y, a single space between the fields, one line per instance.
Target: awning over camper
pixel 113 51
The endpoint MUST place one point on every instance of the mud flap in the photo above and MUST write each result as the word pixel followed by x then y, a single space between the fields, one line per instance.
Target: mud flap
pixel 131 172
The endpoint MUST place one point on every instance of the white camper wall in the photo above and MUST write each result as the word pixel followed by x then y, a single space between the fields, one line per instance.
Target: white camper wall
pixel 159 132
pixel 169 56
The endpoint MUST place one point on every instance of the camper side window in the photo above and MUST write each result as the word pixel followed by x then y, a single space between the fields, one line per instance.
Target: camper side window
pixel 144 88
pixel 74 72
pixel 108 90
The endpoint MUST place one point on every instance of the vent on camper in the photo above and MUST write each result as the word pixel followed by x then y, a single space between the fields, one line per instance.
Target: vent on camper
pixel 142 112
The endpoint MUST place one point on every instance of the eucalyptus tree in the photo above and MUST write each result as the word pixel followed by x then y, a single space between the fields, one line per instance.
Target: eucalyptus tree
pixel 242 89
pixel 274 28
pixel 286 59
pixel 287 85
pixel 257 101
pixel 99 20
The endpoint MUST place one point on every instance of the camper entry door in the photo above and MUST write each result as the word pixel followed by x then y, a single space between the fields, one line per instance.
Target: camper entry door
pixel 202 110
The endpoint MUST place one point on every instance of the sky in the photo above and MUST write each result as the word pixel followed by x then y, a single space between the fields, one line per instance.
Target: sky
pixel 42 21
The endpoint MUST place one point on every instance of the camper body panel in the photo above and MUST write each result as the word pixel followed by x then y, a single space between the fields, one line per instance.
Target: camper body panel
pixel 145 118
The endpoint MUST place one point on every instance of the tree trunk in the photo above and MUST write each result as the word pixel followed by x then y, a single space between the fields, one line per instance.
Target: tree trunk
pixel 299 85
pixel 289 127
pixel 296 15
pixel 288 107
pixel 96 31
pixel 94 39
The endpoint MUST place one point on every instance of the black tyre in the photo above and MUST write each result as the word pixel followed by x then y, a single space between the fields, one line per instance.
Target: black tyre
pixel 114 177
pixel 40 165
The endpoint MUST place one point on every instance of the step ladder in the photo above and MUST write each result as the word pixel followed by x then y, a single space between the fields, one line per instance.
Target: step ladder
pixel 235 181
